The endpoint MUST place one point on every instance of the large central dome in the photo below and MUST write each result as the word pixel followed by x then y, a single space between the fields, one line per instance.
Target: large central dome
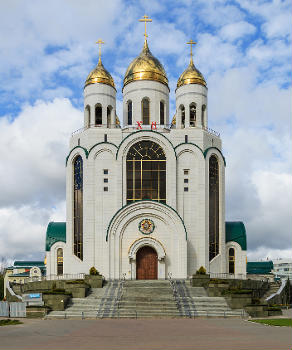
pixel 145 67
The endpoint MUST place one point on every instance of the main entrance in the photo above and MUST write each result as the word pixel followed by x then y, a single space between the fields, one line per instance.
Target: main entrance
pixel 146 264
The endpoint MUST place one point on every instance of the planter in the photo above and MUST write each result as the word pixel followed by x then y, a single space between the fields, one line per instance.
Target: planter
pixel 200 280
pixel 36 311
pixel 216 290
pixel 56 302
pixel 275 312
pixel 95 281
pixel 238 301
pixel 77 291
pixel 257 310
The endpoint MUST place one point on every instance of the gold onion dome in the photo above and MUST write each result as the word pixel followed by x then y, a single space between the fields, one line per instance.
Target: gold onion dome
pixel 191 76
pixel 145 67
pixel 100 75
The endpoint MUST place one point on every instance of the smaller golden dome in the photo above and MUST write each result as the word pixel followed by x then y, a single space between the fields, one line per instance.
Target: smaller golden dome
pixel 145 67
pixel 191 76
pixel 100 75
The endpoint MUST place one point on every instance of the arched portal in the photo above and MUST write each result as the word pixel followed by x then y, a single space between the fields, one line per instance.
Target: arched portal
pixel 146 263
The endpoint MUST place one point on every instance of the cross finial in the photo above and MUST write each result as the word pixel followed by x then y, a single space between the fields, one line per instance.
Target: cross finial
pixel 145 19
pixel 99 42
pixel 191 43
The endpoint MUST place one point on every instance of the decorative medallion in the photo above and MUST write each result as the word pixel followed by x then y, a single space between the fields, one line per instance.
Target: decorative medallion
pixel 146 226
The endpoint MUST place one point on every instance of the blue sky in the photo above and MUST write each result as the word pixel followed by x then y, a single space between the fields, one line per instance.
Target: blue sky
pixel 244 52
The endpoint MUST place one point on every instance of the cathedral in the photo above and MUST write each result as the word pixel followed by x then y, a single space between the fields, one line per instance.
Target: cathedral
pixel 145 197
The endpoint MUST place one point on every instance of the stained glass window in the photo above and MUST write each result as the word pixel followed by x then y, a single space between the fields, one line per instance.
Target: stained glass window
pixel 231 260
pixel 59 261
pixel 130 113
pixel 78 207
pixel 162 122
pixel 146 172
pixel 146 111
pixel 213 207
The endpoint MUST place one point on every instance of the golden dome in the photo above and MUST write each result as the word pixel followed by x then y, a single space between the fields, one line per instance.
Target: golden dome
pixel 145 67
pixel 191 76
pixel 100 75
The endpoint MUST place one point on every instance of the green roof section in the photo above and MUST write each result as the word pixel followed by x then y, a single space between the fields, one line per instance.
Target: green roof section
pixel 56 232
pixel 235 232
pixel 22 263
pixel 259 267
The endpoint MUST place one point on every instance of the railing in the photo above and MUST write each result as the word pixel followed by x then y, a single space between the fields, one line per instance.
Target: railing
pixel 211 131
pixel 137 127
pixel 11 291
pixel 67 276
pixel 239 276
pixel 95 126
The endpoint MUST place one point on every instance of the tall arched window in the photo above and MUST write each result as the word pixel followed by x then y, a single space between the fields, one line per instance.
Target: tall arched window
pixel 98 115
pixel 78 207
pixel 193 114
pixel 146 172
pixel 183 116
pixel 59 261
pixel 204 116
pixel 108 116
pixel 87 116
pixel 231 259
pixel 213 207
pixel 162 121
pixel 130 112
pixel 145 111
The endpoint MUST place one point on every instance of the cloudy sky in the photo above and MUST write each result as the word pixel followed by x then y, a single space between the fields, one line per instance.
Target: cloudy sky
pixel 48 48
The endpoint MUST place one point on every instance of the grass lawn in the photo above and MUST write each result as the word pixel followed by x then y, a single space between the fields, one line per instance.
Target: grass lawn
pixel 8 322
pixel 285 322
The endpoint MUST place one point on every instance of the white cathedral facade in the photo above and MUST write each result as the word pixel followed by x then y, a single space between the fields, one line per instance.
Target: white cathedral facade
pixel 147 198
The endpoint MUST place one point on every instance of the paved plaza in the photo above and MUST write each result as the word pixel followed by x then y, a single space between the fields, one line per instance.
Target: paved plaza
pixel 128 334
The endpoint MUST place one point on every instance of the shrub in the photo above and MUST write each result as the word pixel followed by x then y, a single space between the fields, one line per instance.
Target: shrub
pixel 201 271
pixel 93 271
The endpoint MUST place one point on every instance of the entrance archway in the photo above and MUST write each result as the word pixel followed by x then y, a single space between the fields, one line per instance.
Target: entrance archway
pixel 146 264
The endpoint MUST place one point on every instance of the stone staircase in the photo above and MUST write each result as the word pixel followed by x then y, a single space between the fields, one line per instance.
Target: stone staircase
pixel 274 287
pixel 101 302
pixel 194 302
pixel 147 299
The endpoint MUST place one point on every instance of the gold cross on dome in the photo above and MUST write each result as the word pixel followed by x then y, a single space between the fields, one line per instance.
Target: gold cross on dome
pixel 191 42
pixel 99 42
pixel 145 19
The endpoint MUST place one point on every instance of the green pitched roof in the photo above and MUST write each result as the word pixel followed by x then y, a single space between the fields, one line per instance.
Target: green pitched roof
pixel 56 232
pixel 22 263
pixel 235 232
pixel 259 267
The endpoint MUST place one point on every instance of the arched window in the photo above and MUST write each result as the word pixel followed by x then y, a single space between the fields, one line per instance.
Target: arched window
pixel 87 117
pixel 204 116
pixel 59 261
pixel 231 260
pixel 146 172
pixel 145 111
pixel 98 115
pixel 162 121
pixel 193 114
pixel 130 112
pixel 108 116
pixel 78 207
pixel 183 116
pixel 213 207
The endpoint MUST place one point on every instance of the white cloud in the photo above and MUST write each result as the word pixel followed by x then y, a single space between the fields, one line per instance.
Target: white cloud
pixel 22 230
pixel 234 31
pixel 33 150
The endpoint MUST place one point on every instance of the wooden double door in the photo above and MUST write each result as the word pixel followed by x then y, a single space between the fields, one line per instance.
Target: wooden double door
pixel 146 264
